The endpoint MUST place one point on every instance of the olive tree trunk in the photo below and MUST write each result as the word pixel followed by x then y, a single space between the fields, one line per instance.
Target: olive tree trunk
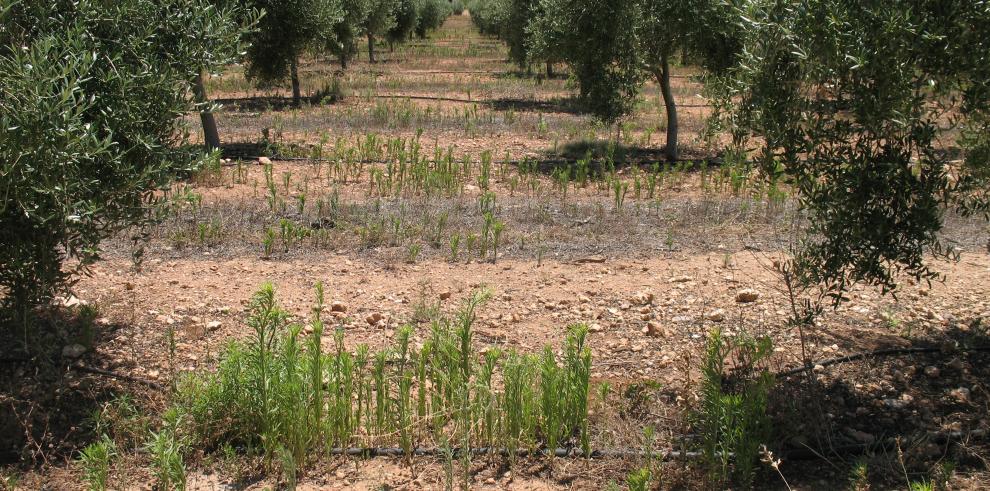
pixel 549 69
pixel 663 78
pixel 296 92
pixel 211 136
pixel 371 48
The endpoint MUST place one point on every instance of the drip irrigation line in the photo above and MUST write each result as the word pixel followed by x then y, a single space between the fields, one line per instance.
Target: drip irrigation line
pixel 806 453
pixel 120 376
pixel 485 101
pixel 504 452
pixel 279 158
pixel 874 354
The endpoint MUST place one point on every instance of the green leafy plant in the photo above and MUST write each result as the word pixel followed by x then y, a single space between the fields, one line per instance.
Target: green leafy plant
pixel 96 460
pixel 734 424
pixel 167 450
pixel 278 393
pixel 455 243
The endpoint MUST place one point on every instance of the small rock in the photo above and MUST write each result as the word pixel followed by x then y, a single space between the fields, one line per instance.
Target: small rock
pixel 373 319
pixel 591 259
pixel 73 351
pixel 961 394
pixel 445 295
pixel 641 298
pixel 747 295
pixel 338 306
pixel 654 329
pixel 717 315
pixel 71 301
pixel 264 161
pixel 596 327
pixel 932 371
pixel 895 403
pixel 861 436
pixel 681 279
pixel 213 325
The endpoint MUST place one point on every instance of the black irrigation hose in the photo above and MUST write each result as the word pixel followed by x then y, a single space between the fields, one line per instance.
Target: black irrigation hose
pixel 120 376
pixel 501 451
pixel 662 455
pixel 482 101
pixel 874 354
pixel 278 158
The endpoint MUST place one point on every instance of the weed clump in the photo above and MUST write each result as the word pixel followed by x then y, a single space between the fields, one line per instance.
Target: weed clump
pixel 281 396
pixel 733 416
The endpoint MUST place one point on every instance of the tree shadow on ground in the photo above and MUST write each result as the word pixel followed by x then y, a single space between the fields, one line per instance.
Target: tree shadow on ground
pixel 535 74
pixel 273 103
pixel 895 414
pixel 566 105
pixel 607 155
pixel 47 399
pixel 244 150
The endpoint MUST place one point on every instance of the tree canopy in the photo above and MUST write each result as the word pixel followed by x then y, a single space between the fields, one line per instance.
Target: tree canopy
pixel 90 125
pixel 876 112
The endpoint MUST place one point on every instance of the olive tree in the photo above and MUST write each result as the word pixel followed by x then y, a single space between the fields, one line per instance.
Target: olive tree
pixel 432 13
pixel 517 35
pixel 615 46
pixel 217 29
pixel 91 108
pixel 490 16
pixel 379 21
pixel 345 32
pixel 284 33
pixel 599 42
pixel 876 112
pixel 406 19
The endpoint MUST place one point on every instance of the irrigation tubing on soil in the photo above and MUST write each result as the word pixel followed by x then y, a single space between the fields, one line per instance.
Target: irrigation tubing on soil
pixel 279 158
pixel 120 376
pixel 663 455
pixel 482 451
pixel 481 101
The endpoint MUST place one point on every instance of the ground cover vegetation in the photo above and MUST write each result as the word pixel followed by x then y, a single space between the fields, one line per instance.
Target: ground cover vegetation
pixel 843 144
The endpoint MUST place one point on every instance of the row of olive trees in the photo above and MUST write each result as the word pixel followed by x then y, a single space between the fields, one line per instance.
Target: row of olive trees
pixel 291 28
pixel 876 111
